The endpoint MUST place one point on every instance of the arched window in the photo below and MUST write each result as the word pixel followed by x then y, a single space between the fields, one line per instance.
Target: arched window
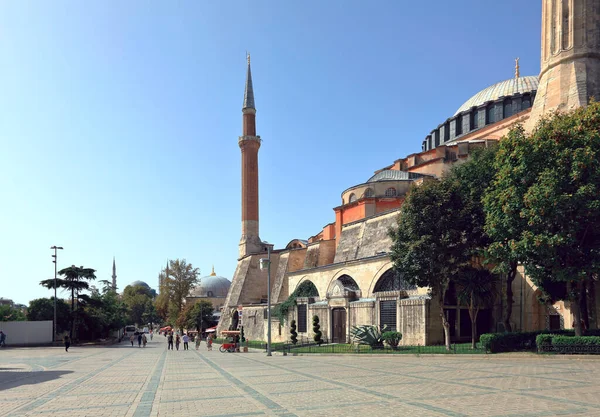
pixel 369 193
pixel 348 282
pixel 391 281
pixel 508 108
pixel 390 192
pixel 209 294
pixel 352 198
pixel 306 289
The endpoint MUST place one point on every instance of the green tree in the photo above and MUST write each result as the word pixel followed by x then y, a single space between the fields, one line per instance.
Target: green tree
pixel 150 315
pixel 181 278
pixel 8 313
pixel 139 302
pixel 476 288
pixel 429 244
pixel 200 316
pixel 504 202
pixel 561 201
pixel 43 309
pixel 75 280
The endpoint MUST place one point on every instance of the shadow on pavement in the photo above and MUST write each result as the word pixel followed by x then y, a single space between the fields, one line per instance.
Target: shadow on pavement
pixel 10 380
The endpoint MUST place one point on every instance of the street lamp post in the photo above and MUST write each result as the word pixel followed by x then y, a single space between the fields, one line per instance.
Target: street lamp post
pixel 55 273
pixel 267 262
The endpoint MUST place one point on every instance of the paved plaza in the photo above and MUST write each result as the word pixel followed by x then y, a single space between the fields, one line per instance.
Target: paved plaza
pixel 125 381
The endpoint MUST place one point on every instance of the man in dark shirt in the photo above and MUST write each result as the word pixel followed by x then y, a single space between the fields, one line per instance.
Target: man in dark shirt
pixel 170 341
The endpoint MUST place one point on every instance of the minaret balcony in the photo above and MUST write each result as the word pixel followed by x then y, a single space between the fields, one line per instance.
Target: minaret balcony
pixel 246 138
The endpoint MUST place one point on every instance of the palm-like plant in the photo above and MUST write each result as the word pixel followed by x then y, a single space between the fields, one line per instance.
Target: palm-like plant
pixel 75 279
pixel 368 335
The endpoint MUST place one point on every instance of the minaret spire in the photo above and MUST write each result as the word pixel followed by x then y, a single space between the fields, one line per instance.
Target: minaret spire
pixel 114 275
pixel 249 144
pixel 517 68
pixel 248 90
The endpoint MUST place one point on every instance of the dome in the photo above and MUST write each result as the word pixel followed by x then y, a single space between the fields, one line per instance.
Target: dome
pixel 211 286
pixel 502 89
pixel 139 283
pixel 394 175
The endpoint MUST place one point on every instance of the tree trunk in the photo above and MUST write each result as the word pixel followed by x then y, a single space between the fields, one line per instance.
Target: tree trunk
pixel 585 318
pixel 510 277
pixel 591 303
pixel 473 315
pixel 72 321
pixel 444 322
pixel 575 309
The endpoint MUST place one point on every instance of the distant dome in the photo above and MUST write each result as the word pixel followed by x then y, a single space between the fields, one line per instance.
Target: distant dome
pixel 211 286
pixel 502 89
pixel 139 283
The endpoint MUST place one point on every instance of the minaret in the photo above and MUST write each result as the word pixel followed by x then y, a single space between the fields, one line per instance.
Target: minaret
pixel 114 276
pixel 249 144
pixel 570 67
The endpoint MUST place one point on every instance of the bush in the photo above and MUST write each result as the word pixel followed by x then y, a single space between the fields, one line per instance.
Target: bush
pixel 514 342
pixel 293 333
pixel 392 338
pixel 544 340
pixel 317 330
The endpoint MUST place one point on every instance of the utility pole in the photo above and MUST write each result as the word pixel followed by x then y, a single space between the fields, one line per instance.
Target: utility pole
pixel 55 273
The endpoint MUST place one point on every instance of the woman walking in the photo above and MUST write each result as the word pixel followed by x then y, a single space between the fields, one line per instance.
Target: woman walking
pixel 209 341
pixel 177 341
pixel 144 340
pixel 67 341
pixel 198 340
pixel 131 339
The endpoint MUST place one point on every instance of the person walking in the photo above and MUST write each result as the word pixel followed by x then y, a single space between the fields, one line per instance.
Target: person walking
pixel 169 341
pixel 2 339
pixel 139 340
pixel 151 334
pixel 67 341
pixel 198 340
pixel 186 340
pixel 144 340
pixel 131 339
pixel 177 341
pixel 209 341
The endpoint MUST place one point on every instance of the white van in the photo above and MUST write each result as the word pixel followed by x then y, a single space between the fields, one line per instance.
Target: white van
pixel 129 331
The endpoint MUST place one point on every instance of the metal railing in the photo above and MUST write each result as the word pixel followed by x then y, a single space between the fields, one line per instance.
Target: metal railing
pixel 570 349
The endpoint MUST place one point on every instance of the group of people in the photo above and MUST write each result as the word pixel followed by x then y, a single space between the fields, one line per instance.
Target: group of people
pixel 186 339
pixel 141 339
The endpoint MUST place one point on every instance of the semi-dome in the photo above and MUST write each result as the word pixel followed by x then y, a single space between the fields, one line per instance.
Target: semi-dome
pixel 211 286
pixel 502 89
pixel 394 175
pixel 140 284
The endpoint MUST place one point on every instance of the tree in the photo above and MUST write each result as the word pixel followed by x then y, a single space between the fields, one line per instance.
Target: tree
pixel 75 280
pixel 150 314
pixel 317 330
pixel 293 332
pixel 8 313
pixel 503 204
pixel 476 288
pixel 199 316
pixel 43 309
pixel 181 278
pixel 560 191
pixel 138 299
pixel 429 245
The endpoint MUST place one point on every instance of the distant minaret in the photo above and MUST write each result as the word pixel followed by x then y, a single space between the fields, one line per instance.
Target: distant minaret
pixel 570 67
pixel 249 144
pixel 114 276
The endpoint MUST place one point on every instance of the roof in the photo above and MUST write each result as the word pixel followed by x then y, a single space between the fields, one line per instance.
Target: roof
pixel 139 283
pixel 394 175
pixel 502 89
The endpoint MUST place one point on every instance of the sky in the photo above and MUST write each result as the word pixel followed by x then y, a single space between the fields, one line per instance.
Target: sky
pixel 119 120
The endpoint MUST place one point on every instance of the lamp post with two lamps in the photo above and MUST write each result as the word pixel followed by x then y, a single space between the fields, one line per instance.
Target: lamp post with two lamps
pixel 56 248
pixel 266 263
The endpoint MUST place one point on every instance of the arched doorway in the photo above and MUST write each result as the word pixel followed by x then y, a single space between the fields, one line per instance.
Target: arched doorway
pixel 338 325
pixel 392 281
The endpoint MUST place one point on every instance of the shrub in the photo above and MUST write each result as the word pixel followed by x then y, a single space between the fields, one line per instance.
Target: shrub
pixel 544 340
pixel 317 330
pixel 368 335
pixel 565 344
pixel 293 333
pixel 242 336
pixel 392 338
pixel 513 342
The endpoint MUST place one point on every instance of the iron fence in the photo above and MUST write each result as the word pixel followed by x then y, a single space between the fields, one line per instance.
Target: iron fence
pixel 570 349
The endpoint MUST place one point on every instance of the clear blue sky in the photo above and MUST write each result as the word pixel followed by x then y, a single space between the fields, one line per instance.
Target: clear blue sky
pixel 119 120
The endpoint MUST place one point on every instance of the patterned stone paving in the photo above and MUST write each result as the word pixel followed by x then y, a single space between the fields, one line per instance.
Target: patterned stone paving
pixel 133 382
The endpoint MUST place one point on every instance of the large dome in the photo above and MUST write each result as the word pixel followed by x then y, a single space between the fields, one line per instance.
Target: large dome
pixel 502 89
pixel 139 283
pixel 211 286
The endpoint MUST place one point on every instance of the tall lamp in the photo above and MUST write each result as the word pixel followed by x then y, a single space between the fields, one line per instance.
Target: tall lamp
pixel 56 248
pixel 266 263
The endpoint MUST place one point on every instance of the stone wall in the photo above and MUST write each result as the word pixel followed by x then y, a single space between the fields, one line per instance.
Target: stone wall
pixel 412 321
pixel 279 284
pixel 365 238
